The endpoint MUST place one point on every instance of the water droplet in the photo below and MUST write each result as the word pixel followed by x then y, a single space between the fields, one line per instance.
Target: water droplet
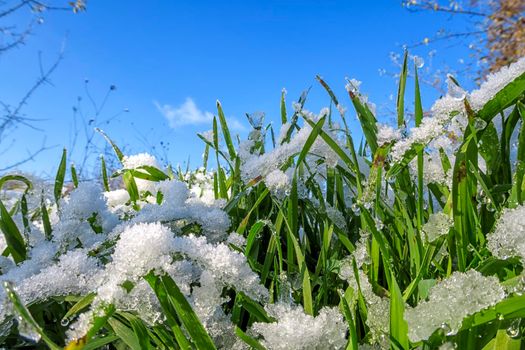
pixel 446 329
pixel 479 124
pixel 379 224
pixel 418 61
pixel 514 328
pixel 454 90
pixel 356 209
pixel 28 331
pixel 64 322
pixel 500 316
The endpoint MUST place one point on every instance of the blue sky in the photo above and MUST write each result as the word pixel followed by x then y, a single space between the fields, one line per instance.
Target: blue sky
pixel 174 59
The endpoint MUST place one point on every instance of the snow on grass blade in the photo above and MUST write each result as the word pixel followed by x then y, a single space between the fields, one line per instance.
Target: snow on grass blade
pixel 25 316
pixel 15 241
pixel 186 315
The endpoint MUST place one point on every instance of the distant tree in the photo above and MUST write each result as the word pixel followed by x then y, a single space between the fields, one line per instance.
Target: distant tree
pixel 18 22
pixel 497 32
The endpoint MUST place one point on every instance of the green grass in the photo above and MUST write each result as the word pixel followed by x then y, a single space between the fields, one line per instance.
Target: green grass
pixel 401 267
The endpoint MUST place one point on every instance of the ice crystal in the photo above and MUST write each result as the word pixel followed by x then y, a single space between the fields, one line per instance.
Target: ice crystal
pixel 507 240
pixel 263 165
pixel 378 307
pixel 278 183
pixel 294 329
pixel 387 134
pixel 438 224
pixel 448 115
pixel 146 247
pixel 450 301
pixel 495 82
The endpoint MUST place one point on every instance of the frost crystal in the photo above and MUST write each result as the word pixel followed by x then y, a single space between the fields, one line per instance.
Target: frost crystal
pixel 278 183
pixel 438 224
pixel 507 240
pixel 450 301
pixel 495 82
pixel 263 165
pixel 378 308
pixel 387 134
pixel 448 115
pixel 296 330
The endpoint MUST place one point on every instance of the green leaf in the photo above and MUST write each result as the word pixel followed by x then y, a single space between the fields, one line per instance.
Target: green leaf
pixel 254 308
pixel 503 98
pixel 509 308
pixel 45 219
pixel 254 344
pixel 184 311
pixel 97 343
pixel 368 121
pixel 125 333
pixel 15 241
pixel 20 178
pixel 168 309
pixel 139 329
pixel 226 131
pixel 117 150
pixel 398 325
pixel 104 171
pixel 59 178
pixel 352 339
pixel 283 107
pixel 401 93
pixel 79 306
pixel 74 175
pixel 26 316
pixel 310 141
pixel 503 341
pixel 131 186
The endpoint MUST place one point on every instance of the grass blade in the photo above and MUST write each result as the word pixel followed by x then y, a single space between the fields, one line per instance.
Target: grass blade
pixel 59 178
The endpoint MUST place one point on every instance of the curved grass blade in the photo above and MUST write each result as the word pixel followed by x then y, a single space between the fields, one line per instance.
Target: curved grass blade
pixel 185 313
pixel 15 241
pixel 79 306
pixel 117 150
pixel 20 178
pixel 24 313
pixel 254 344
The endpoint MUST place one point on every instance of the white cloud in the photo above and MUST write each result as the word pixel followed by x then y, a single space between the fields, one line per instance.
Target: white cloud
pixel 186 114
pixel 189 114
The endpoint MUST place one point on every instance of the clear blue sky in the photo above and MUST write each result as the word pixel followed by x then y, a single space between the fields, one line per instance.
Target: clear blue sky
pixel 243 53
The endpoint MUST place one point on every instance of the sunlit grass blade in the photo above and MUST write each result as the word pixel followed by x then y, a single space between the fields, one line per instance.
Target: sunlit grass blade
pixel 398 325
pixel 104 171
pixel 26 316
pixel 117 150
pixel 60 176
pixel 401 92
pixel 15 241
pixel 183 309
pixel 74 175
pixel 254 344
pixel 226 131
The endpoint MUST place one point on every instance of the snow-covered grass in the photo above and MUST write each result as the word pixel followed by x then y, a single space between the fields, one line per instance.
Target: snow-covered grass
pixel 294 240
